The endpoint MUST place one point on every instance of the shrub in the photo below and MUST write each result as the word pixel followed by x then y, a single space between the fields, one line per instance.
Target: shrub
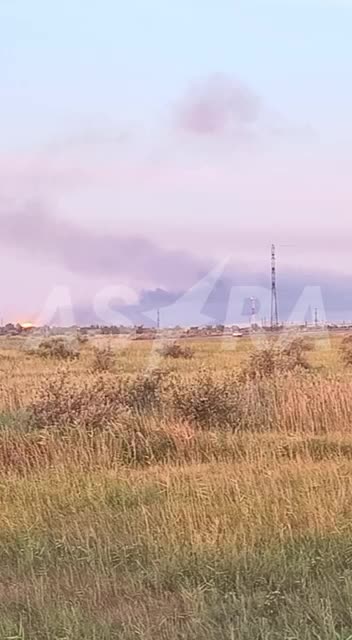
pixel 175 350
pixel 347 356
pixel 57 348
pixel 274 358
pixel 346 349
pixel 296 353
pixel 93 401
pixel 103 359
pixel 207 400
pixel 347 340
pixel 82 338
pixel 64 400
pixel 298 345
pixel 146 391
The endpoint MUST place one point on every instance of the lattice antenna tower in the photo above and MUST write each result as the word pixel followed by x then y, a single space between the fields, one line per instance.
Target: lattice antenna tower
pixel 274 304
pixel 316 317
pixel 253 321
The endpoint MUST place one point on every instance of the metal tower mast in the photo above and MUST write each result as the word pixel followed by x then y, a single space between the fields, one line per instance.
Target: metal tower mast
pixel 253 320
pixel 274 306
pixel 158 320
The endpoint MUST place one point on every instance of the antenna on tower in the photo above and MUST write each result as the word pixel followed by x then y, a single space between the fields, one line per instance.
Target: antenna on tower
pixel 274 306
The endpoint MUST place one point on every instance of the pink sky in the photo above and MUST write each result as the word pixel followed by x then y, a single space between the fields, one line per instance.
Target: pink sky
pixel 185 155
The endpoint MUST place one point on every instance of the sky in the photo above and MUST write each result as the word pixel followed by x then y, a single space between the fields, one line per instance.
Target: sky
pixel 144 144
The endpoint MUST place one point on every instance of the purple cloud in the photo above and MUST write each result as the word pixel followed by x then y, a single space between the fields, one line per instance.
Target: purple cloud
pixel 218 105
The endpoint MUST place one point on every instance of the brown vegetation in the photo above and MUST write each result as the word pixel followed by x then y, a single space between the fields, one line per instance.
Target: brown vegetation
pixel 175 350
pixel 103 359
pixel 56 348
pixel 208 498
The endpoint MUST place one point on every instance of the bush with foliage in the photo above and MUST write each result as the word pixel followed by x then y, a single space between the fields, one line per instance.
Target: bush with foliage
pixel 207 400
pixel 103 359
pixel 346 349
pixel 57 348
pixel 94 401
pixel 276 358
pixel 82 338
pixel 175 350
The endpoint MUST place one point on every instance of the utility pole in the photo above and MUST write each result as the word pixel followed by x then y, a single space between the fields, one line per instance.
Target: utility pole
pixel 158 320
pixel 274 305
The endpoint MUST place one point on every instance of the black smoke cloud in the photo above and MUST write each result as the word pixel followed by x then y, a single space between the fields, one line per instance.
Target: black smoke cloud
pixel 165 275
pixel 336 301
pixel 95 253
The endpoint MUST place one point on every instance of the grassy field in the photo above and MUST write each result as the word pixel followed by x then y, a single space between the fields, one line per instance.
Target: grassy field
pixel 145 497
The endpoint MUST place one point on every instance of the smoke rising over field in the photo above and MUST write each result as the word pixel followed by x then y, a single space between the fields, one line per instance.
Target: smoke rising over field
pixel 89 252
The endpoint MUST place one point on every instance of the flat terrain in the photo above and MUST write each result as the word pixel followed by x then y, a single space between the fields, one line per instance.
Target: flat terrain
pixel 151 497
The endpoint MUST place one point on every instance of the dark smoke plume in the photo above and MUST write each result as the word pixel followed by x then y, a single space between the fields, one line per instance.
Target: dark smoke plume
pixel 84 251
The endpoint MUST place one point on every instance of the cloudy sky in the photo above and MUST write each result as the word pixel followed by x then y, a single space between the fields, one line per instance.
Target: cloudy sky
pixel 142 143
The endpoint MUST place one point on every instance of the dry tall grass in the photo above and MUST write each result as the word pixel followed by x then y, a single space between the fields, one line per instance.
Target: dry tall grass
pixel 191 501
